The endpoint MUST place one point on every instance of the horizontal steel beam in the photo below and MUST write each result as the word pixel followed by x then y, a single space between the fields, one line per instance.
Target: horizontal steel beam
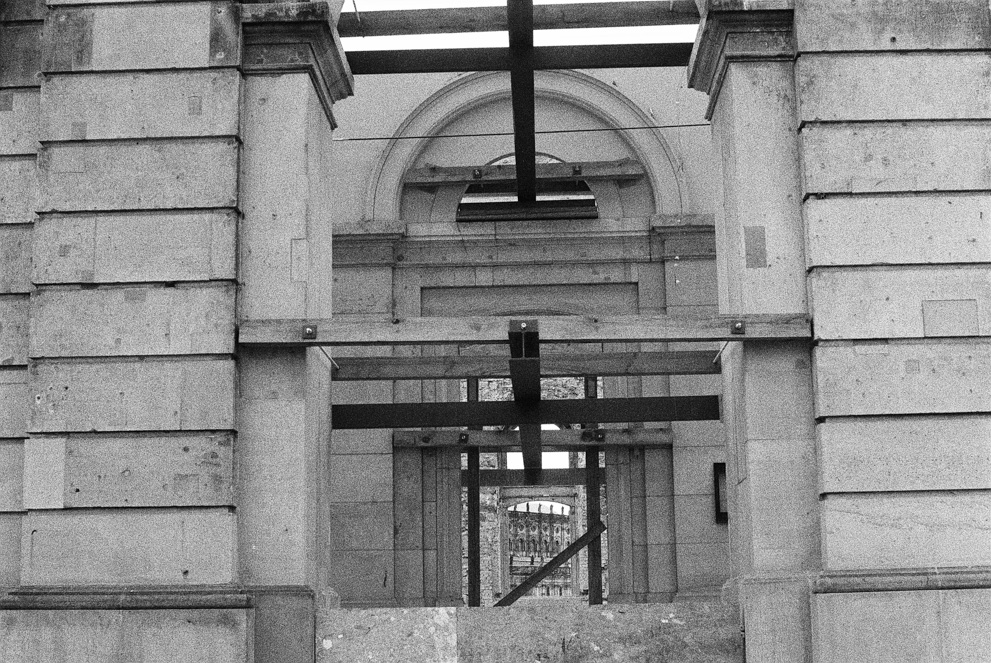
pixel 553 329
pixel 687 362
pixel 493 19
pixel 456 415
pixel 559 440
pixel 441 60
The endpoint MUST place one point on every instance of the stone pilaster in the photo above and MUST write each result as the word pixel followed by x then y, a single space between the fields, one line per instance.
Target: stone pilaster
pixel 744 59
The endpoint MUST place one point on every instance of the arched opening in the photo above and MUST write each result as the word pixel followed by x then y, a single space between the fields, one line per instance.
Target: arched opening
pixel 566 192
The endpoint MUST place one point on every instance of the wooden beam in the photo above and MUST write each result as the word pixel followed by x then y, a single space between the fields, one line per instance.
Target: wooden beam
pixel 574 476
pixel 443 60
pixel 683 362
pixel 538 210
pixel 470 479
pixel 593 511
pixel 520 18
pixel 623 169
pixel 559 440
pixel 456 415
pixel 553 329
pixel 493 19
pixel 548 568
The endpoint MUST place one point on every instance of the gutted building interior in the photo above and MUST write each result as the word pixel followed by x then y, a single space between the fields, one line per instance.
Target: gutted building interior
pixel 655 351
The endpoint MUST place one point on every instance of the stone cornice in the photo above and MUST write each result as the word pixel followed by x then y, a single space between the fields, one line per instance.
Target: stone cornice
pixel 283 37
pixel 738 36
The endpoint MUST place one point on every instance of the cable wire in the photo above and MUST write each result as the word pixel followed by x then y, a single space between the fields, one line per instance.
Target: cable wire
pixel 510 133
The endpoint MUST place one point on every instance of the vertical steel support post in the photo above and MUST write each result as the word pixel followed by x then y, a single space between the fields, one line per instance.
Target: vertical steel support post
pixel 474 515
pixel 593 508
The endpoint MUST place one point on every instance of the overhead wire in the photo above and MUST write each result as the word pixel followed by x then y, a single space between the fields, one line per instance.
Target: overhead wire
pixel 510 133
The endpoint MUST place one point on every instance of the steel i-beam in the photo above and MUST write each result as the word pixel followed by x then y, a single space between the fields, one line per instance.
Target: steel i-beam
pixel 520 19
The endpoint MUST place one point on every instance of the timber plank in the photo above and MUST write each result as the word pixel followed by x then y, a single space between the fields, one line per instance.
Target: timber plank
pixel 493 19
pixel 574 440
pixel 553 329
pixel 448 367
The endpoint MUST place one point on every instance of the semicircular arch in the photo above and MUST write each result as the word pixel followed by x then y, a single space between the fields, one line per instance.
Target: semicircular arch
pixel 472 91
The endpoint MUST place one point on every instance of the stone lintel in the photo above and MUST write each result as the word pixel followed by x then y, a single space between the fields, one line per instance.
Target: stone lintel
pixel 972 577
pixel 739 35
pixel 300 37
pixel 146 597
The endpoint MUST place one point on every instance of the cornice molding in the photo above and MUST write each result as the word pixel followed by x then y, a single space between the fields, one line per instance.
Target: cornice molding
pixel 737 36
pixel 300 37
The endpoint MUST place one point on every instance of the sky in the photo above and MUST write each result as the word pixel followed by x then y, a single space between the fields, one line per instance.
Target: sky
pixel 657 34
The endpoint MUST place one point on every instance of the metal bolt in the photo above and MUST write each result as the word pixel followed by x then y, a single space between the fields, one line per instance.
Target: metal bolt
pixel 477 173
pixel 522 325
pixel 463 438
pixel 309 332
pixel 738 327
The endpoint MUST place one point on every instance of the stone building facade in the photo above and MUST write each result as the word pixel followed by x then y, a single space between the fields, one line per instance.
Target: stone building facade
pixel 185 187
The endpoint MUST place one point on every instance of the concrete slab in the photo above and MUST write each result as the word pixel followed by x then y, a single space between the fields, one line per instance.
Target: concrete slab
pixel 18 189
pixel 929 377
pixel 111 636
pixel 13 330
pixel 14 403
pixel 138 247
pixel 108 322
pixel 129 547
pixel 891 25
pixel 130 471
pixel 877 454
pixel 899 530
pixel 944 626
pixel 890 157
pixel 186 35
pixel 676 632
pixel 701 633
pixel 11 475
pixel 177 173
pixel 15 259
pixel 925 228
pixel 19 121
pixel 132 395
pixel 140 105
pixel 901 302
pixel 917 86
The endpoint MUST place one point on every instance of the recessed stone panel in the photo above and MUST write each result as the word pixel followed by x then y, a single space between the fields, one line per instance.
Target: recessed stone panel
pixel 19 121
pixel 906 530
pixel 180 35
pixel 892 25
pixel 75 396
pixel 916 86
pixel 13 330
pixel 129 547
pixel 875 454
pixel 895 157
pixel 902 302
pixel 137 247
pixel 139 105
pixel 925 228
pixel 908 377
pixel 105 322
pixel 18 189
pixel 98 636
pixel 176 173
